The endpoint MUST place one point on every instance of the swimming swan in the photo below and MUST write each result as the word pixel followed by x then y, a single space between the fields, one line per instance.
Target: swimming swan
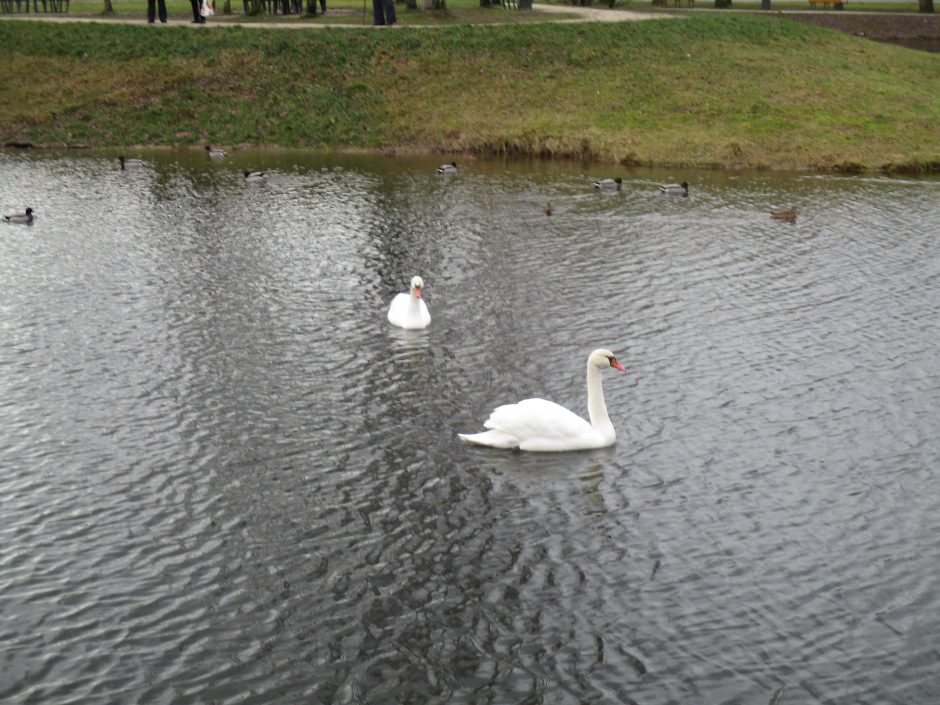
pixel 408 310
pixel 540 425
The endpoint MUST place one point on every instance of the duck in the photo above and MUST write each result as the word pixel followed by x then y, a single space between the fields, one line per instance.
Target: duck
pixel 447 168
pixel 215 152
pixel 675 189
pixel 787 214
pixel 130 163
pixel 26 217
pixel 547 209
pixel 408 310
pixel 544 426
pixel 255 177
pixel 608 184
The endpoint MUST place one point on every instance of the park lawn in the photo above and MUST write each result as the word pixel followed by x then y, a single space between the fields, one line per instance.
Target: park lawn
pixel 709 89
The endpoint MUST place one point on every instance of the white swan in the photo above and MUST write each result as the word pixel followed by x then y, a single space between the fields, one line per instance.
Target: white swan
pixel 408 310
pixel 540 425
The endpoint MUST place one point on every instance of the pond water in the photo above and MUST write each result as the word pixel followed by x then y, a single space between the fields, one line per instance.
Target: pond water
pixel 226 479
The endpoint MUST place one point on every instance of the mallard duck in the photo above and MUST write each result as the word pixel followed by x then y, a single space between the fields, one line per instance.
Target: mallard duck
pixel 130 163
pixel 215 152
pixel 447 168
pixel 608 184
pixel 787 214
pixel 255 177
pixel 26 217
pixel 547 209
pixel 675 189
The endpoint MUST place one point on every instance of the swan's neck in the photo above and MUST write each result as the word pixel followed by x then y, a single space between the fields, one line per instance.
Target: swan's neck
pixel 597 409
pixel 413 304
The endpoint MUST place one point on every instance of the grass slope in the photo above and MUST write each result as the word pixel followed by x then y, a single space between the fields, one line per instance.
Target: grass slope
pixel 707 90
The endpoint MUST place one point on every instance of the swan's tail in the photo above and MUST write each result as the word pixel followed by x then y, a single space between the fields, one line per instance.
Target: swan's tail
pixel 493 439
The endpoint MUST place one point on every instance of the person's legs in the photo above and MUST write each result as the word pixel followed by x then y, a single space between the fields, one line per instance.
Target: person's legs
pixel 151 10
pixel 161 7
pixel 322 7
pixel 197 18
pixel 378 12
pixel 390 12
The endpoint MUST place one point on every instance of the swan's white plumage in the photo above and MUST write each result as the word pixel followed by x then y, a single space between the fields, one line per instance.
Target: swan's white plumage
pixel 541 425
pixel 408 310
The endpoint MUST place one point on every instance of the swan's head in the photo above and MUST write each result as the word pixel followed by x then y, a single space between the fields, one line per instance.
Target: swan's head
pixel 417 284
pixel 604 358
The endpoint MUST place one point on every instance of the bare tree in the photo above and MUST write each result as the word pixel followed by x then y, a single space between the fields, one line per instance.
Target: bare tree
pixel 925 5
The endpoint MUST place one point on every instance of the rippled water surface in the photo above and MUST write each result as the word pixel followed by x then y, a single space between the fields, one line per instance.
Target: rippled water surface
pixel 225 479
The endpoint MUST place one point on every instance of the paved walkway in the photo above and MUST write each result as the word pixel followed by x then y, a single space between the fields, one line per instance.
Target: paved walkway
pixel 584 14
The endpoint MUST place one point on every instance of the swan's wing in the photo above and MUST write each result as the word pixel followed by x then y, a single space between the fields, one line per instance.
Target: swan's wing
pixel 538 424
pixel 425 314
pixel 398 310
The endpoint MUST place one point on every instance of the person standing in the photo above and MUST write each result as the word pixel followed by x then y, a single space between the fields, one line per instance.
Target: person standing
pixel 197 17
pixel 152 10
pixel 383 12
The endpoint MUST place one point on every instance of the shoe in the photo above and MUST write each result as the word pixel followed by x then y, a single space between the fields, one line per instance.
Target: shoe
pixel 149 21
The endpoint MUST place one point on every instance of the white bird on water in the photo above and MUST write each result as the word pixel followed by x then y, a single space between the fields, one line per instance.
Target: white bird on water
pixel 408 310
pixel 540 425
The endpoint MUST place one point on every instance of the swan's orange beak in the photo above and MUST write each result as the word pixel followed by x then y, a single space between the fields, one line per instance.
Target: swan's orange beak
pixel 616 365
pixel 418 291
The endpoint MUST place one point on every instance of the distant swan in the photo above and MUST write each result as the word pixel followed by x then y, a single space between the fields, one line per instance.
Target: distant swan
pixel 447 168
pixel 540 425
pixel 608 184
pixel 255 177
pixel 26 217
pixel 131 163
pixel 408 310
pixel 675 189
pixel 215 153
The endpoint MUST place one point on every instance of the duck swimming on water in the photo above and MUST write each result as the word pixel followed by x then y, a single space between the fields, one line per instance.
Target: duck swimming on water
pixel 26 217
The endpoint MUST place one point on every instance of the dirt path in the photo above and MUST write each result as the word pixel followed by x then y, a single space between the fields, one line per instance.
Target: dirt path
pixel 585 14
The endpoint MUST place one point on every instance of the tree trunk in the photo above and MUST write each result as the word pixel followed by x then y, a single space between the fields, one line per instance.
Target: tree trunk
pixel 312 8
pixel 227 7
pixel 764 4
pixel 108 7
pixel 925 5
pixel 524 4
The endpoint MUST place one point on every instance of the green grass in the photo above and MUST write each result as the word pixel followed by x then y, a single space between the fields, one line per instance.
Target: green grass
pixel 713 89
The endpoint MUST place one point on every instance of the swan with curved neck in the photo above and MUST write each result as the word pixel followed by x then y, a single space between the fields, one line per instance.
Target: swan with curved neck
pixel 541 425
pixel 408 310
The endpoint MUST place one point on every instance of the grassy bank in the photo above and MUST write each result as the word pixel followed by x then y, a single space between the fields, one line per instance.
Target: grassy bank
pixel 707 90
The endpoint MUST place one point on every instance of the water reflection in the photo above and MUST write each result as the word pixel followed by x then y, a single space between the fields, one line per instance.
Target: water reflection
pixel 226 473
